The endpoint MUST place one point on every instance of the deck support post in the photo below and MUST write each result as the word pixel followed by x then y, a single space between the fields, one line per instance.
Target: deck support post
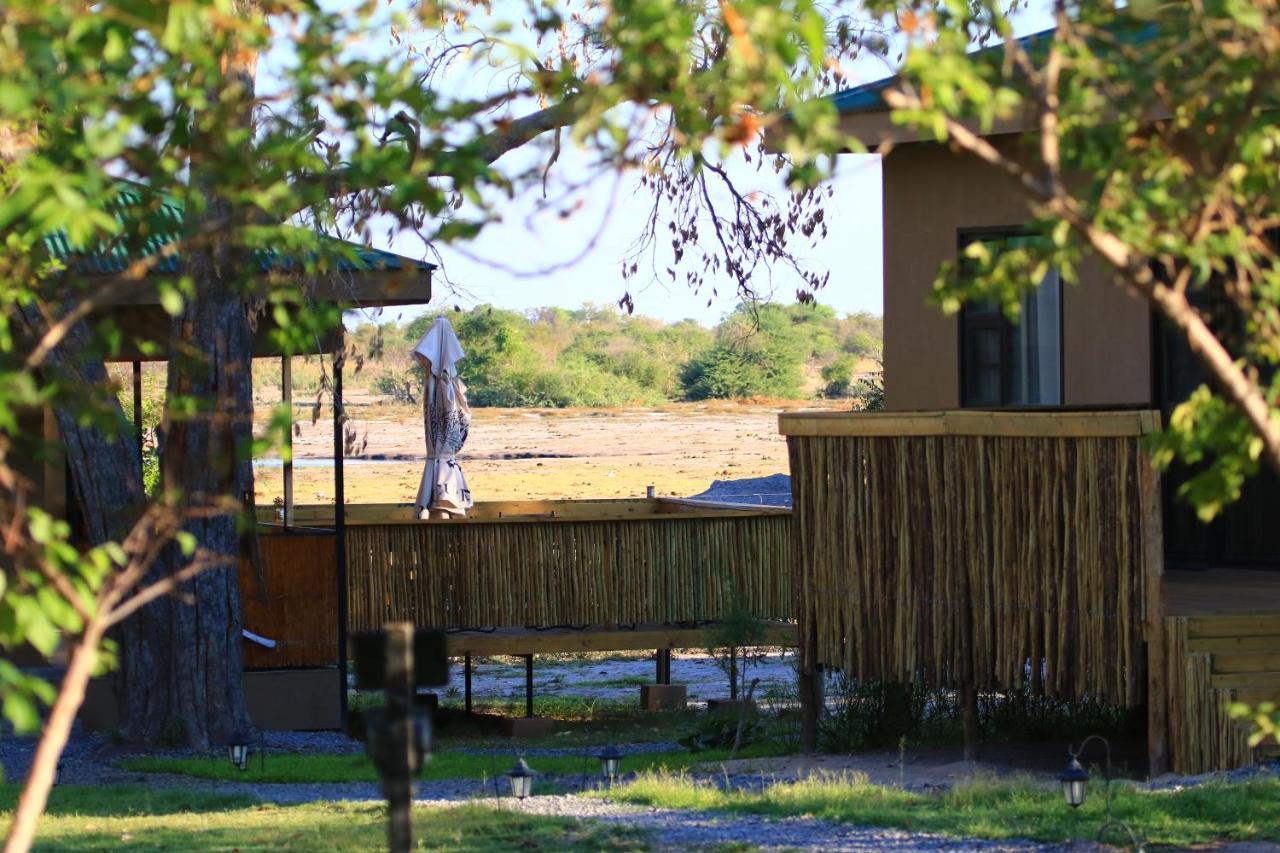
pixel 340 521
pixel 466 682
pixel 733 674
pixel 810 690
pixel 137 407
pixel 528 685
pixel 663 675
pixel 1153 581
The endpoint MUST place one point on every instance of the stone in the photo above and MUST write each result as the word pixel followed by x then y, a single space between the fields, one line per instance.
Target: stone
pixel 663 697
pixel 527 726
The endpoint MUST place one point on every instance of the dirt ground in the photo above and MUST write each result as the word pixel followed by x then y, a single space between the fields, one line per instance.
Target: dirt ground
pixel 521 454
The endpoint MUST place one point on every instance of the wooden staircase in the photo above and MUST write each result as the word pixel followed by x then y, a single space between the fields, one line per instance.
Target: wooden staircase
pixel 1216 660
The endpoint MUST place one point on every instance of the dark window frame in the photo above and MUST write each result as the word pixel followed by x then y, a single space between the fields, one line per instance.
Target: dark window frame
pixel 964 237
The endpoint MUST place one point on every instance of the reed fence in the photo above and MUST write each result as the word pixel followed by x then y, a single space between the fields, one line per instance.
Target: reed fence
pixel 668 567
pixel 980 549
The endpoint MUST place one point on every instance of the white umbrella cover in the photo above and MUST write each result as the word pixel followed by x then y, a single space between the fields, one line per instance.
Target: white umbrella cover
pixel 447 418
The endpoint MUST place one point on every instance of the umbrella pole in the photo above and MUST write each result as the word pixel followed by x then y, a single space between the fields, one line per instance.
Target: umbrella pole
pixel 286 397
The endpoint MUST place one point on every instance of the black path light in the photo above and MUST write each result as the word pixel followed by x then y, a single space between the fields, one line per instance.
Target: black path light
pixel 521 779
pixel 1075 787
pixel 610 759
pixel 239 748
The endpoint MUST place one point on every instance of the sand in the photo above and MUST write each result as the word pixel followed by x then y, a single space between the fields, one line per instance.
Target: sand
pixel 519 454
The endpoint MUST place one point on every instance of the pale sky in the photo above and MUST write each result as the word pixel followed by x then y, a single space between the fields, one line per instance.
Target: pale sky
pixel 506 265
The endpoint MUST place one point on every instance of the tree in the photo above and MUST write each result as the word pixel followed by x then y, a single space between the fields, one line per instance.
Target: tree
pixel 1153 150
pixel 125 125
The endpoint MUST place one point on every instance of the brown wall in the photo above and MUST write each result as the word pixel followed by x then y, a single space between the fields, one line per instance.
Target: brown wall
pixel 299 606
pixel 930 194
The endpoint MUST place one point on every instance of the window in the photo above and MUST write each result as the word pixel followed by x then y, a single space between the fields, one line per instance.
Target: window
pixel 1012 364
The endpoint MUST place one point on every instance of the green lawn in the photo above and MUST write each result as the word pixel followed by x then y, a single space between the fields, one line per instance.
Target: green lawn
pixel 127 818
pixel 1238 812
pixel 292 767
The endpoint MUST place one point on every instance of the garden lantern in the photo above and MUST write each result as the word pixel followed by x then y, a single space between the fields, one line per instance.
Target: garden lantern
pixel 1075 781
pixel 238 750
pixel 521 778
pixel 609 761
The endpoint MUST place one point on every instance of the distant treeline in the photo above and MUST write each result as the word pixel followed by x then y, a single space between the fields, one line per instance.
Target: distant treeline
pixel 555 357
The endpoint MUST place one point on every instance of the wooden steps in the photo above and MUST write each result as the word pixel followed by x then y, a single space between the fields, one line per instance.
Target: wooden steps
pixel 1244 651
pixel 1228 658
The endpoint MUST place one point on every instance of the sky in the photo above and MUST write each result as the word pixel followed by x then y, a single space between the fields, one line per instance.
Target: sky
pixel 539 257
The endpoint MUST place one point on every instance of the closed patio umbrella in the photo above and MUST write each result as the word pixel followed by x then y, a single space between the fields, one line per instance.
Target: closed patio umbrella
pixel 447 418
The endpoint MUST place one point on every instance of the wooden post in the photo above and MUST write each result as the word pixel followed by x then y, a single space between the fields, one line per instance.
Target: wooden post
pixel 466 682
pixel 969 717
pixel 810 687
pixel 398 780
pixel 1154 623
pixel 733 673
pixel 286 396
pixel 528 685
pixel 137 407
pixel 340 522
pixel 663 674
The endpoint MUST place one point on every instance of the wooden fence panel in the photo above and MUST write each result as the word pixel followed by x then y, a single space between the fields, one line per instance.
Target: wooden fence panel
pixel 944 551
pixel 549 573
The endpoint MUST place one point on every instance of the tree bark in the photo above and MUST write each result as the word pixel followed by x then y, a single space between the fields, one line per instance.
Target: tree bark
pixel 181 659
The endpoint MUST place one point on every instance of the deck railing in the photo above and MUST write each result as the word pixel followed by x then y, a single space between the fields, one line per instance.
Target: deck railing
pixel 967 548
pixel 559 563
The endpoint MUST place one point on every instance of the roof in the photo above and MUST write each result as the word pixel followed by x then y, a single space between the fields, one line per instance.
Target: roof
pixel 166 223
pixel 868 98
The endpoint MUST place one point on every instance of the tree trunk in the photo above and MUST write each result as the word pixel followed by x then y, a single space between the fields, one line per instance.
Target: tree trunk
pixel 181 660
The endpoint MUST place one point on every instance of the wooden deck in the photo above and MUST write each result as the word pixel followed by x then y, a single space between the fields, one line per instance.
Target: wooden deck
pixel 1221 591
pixel 1223 642
pixel 599 638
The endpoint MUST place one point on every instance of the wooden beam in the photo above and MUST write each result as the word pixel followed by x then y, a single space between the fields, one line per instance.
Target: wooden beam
pixel 522 641
pixel 1158 696
pixel 1057 424
pixel 1234 625
pixel 516 512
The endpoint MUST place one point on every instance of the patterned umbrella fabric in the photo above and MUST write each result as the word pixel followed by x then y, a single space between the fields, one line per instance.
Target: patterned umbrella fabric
pixel 447 418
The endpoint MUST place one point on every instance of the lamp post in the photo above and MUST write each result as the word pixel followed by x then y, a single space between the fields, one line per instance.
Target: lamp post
pixel 521 779
pixel 610 759
pixel 238 750
pixel 1075 785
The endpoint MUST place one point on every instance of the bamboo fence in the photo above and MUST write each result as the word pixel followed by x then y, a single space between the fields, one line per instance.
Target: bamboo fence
pixel 670 568
pixel 965 548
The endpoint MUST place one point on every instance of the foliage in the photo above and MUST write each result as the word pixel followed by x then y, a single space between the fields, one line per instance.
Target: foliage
pixel 1208 814
pixel 137 818
pixel 868 393
pixel 598 356
pixel 874 715
pixel 444 764
pixel 1264 721
pixel 1155 158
